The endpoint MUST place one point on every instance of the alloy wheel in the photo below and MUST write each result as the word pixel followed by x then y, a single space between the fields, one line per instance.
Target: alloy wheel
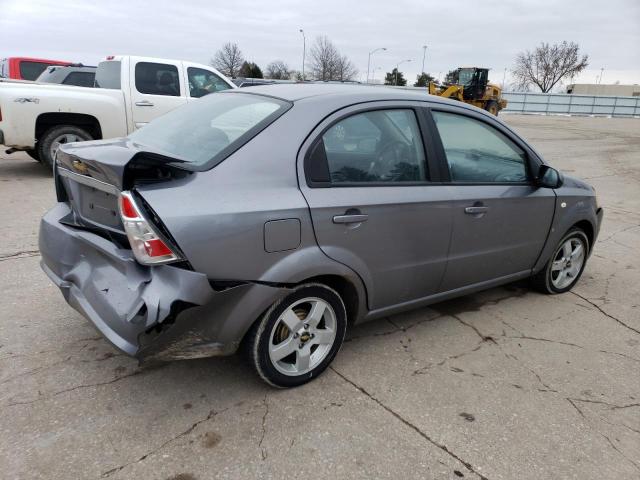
pixel 302 336
pixel 567 263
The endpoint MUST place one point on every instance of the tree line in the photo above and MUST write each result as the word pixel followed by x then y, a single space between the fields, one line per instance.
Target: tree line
pixel 325 62
pixel 544 67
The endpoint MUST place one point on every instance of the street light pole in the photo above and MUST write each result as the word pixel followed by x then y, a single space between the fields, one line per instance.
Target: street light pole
pixel 373 74
pixel 369 60
pixel 601 72
pixel 304 51
pixel 395 82
pixel 504 77
pixel 424 54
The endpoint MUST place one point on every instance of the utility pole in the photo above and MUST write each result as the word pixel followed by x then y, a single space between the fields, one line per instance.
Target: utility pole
pixel 601 72
pixel 304 51
pixel 369 61
pixel 504 77
pixel 424 54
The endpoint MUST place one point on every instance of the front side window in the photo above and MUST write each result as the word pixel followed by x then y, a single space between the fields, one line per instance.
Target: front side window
pixel 207 131
pixel 203 82
pixel 477 152
pixel 376 146
pixel 157 79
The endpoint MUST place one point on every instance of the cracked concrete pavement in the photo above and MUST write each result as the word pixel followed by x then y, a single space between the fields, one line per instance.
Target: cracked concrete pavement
pixel 505 384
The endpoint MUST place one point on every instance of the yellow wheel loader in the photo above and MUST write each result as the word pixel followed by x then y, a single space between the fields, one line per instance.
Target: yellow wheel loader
pixel 471 86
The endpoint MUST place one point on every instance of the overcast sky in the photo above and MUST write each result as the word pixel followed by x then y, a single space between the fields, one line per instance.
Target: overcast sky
pixel 485 33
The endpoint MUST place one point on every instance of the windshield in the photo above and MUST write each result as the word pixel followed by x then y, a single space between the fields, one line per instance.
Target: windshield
pixel 465 76
pixel 206 131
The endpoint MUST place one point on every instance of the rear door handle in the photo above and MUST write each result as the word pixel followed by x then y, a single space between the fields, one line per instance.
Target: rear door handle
pixel 476 210
pixel 359 218
pixel 144 103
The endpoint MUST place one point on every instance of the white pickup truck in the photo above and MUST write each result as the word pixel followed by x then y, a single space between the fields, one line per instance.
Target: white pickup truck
pixel 131 91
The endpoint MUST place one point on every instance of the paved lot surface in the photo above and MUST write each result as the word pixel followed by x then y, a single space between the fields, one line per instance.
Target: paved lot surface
pixel 507 384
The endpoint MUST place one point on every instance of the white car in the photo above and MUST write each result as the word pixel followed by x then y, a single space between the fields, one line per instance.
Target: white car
pixel 131 91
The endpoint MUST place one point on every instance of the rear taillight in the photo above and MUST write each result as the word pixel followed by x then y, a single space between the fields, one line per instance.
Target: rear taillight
pixel 147 246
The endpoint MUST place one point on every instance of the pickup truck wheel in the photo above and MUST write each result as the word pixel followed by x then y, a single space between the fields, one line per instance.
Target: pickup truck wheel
pixel 564 268
pixel 33 154
pixel 298 337
pixel 56 136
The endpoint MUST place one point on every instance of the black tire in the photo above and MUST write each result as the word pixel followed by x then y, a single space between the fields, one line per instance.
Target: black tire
pixel 44 143
pixel 543 280
pixel 492 107
pixel 33 154
pixel 259 338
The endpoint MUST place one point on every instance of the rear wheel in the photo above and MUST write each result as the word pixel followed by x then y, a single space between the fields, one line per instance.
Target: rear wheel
pixel 492 107
pixel 566 265
pixel 56 136
pixel 298 337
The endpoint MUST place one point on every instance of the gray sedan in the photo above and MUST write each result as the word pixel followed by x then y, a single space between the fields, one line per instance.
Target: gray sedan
pixel 269 219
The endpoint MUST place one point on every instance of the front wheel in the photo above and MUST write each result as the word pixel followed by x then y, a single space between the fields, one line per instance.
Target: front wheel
pixel 492 107
pixel 298 337
pixel 565 266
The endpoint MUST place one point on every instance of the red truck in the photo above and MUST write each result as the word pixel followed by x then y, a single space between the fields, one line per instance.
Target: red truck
pixel 24 68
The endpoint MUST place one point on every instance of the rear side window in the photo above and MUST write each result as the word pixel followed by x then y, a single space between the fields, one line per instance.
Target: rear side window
pixel 376 146
pixel 157 79
pixel 80 79
pixel 203 82
pixel 31 70
pixel 108 75
pixel 205 132
pixel 477 152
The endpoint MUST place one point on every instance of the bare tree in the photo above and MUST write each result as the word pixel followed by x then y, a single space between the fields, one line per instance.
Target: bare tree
pixel 548 64
pixel 326 62
pixel 278 70
pixel 324 59
pixel 228 59
pixel 345 69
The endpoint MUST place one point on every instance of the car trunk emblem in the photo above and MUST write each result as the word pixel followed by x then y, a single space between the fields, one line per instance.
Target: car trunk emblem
pixel 80 167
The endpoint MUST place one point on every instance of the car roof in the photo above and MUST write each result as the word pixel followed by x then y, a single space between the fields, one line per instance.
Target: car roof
pixel 71 68
pixel 319 92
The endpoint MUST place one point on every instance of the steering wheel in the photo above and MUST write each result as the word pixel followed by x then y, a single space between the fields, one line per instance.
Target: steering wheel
pixel 389 155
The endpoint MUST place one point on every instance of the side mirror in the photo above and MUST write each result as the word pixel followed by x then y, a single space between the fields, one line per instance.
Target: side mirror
pixel 549 177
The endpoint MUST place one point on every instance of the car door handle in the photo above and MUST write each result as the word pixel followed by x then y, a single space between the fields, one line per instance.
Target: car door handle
pixel 475 210
pixel 144 103
pixel 357 218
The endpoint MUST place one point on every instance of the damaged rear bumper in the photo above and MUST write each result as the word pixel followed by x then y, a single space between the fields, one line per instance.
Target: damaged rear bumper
pixel 159 312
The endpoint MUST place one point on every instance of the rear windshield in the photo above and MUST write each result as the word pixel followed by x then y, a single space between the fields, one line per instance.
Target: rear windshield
pixel 32 70
pixel 108 75
pixel 206 131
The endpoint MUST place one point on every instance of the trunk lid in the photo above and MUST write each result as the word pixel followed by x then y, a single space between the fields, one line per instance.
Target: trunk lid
pixel 91 175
